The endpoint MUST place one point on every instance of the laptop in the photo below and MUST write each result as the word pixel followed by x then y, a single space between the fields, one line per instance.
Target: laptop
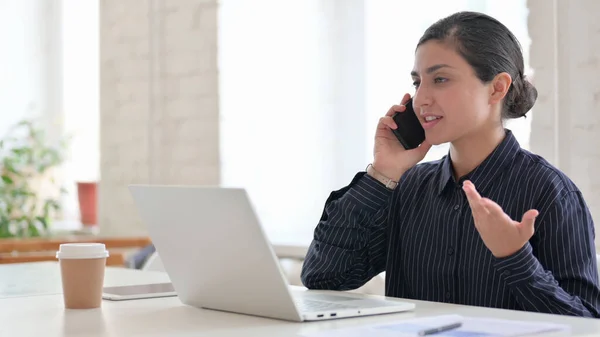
pixel 218 257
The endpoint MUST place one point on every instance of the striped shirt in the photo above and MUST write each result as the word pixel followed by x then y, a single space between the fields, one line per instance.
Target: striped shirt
pixel 423 236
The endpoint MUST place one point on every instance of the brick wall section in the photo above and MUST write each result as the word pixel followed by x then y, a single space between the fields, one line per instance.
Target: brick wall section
pixel 159 102
pixel 566 120
pixel 542 59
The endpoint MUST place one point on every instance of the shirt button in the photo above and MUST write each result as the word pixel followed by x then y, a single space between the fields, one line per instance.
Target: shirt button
pixel 456 207
pixel 450 251
pixel 448 295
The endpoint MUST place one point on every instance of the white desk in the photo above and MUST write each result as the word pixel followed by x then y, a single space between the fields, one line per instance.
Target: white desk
pixel 43 278
pixel 41 313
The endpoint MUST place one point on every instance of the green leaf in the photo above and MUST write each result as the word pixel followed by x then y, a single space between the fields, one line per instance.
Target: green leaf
pixel 5 230
pixel 43 220
pixel 10 165
pixel 21 192
pixel 51 204
pixel 7 180
pixel 20 151
pixel 41 168
pixel 32 229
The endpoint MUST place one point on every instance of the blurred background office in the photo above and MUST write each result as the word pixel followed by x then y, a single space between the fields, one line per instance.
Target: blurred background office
pixel 280 97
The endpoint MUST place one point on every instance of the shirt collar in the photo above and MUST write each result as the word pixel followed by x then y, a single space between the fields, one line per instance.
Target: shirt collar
pixel 487 171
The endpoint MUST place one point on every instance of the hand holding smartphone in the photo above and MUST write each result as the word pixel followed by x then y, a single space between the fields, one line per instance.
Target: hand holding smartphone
pixel 410 132
pixel 400 141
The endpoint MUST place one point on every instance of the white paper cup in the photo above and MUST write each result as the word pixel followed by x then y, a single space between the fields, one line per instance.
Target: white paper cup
pixel 82 268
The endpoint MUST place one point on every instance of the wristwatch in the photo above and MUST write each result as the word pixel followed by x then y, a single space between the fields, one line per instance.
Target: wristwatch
pixel 387 182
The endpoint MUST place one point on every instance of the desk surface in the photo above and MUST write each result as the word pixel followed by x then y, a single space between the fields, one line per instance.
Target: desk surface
pixel 41 312
pixel 43 278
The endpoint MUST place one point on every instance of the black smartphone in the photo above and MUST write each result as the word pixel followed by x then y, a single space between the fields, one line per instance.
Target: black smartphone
pixel 410 132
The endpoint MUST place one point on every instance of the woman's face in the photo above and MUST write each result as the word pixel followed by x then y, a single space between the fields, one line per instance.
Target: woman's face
pixel 450 101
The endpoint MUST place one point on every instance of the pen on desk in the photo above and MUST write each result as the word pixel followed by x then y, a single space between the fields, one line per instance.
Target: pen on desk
pixel 444 328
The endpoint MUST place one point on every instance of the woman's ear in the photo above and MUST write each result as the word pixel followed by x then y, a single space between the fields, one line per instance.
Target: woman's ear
pixel 499 87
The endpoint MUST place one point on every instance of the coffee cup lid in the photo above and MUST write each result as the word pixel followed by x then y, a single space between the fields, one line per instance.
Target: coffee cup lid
pixel 82 251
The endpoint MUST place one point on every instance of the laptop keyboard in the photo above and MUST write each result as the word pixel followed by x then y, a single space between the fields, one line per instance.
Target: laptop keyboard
pixel 306 305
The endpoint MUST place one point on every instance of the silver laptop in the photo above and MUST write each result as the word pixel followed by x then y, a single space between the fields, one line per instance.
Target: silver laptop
pixel 218 257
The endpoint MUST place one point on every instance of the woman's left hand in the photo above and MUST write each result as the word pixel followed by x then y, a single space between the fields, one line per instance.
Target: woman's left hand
pixel 502 235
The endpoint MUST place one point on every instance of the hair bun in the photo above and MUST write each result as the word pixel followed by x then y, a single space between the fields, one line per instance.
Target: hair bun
pixel 523 98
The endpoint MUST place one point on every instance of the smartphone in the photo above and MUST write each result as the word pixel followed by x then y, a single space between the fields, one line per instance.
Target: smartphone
pixel 140 291
pixel 410 132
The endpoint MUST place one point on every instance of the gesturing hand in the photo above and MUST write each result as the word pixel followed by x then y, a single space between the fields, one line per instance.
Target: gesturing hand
pixel 502 235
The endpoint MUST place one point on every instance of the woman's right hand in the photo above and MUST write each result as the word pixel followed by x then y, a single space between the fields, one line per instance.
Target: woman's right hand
pixel 390 158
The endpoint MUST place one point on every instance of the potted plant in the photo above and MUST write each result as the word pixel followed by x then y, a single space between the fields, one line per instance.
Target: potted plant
pixel 29 195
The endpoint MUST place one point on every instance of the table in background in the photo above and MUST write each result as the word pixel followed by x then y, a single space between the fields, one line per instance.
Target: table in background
pixel 39 249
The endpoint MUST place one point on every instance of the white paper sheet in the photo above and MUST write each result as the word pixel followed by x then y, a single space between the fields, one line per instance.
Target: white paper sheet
pixel 471 326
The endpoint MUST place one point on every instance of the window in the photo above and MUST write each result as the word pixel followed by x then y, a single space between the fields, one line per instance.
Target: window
pixel 302 85
pixel 51 75
pixel 80 97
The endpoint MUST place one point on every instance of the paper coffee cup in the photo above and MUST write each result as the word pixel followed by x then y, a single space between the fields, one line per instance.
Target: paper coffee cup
pixel 82 268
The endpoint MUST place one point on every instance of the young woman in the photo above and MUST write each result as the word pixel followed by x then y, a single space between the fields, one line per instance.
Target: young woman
pixel 490 224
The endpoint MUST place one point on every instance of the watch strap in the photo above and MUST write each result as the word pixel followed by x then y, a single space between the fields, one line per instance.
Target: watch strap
pixel 387 182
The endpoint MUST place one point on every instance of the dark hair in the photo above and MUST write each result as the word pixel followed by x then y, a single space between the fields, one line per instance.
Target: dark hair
pixel 490 48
